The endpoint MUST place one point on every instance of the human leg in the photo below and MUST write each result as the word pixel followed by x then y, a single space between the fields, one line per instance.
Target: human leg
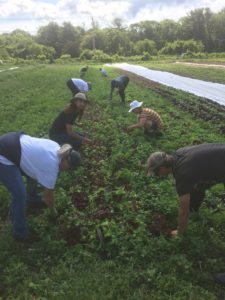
pixel 11 178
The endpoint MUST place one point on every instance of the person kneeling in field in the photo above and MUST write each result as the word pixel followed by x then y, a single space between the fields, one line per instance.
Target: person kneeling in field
pixel 147 119
pixel 62 131
pixel 77 85
pixel 195 170
pixel 39 160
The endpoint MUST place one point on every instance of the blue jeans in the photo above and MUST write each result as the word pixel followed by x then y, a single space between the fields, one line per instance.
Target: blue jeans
pixel 11 178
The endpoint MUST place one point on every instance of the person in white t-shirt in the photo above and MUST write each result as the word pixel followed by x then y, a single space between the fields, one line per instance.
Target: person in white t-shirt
pixel 77 85
pixel 40 160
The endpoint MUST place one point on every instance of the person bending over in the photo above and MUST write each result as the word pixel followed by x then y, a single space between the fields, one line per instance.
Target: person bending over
pixel 77 85
pixel 195 169
pixel 40 160
pixel 120 83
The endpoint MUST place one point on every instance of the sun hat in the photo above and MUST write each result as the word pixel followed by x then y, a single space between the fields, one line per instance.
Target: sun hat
pixel 80 96
pixel 74 159
pixel 155 161
pixel 135 104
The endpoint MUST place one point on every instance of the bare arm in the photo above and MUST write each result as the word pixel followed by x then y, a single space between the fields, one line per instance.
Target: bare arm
pixel 183 215
pixel 71 133
pixel 140 124
pixel 49 197
pixel 132 127
pixel 74 135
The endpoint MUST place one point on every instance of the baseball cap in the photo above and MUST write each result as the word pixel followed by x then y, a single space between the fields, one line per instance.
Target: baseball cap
pixel 80 96
pixel 135 104
pixel 74 159
pixel 155 161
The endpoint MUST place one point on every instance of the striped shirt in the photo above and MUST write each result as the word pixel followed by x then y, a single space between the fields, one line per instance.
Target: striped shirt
pixel 148 114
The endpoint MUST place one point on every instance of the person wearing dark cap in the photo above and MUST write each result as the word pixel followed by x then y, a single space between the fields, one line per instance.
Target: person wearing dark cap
pixel 83 71
pixel 195 170
pixel 39 160
pixel 147 119
pixel 61 130
pixel 119 83
pixel 77 85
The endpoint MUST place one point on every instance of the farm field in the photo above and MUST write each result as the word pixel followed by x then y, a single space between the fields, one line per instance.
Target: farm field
pixel 108 241
pixel 213 74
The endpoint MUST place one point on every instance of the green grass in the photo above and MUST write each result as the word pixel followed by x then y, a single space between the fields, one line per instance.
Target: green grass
pixel 198 72
pixel 132 264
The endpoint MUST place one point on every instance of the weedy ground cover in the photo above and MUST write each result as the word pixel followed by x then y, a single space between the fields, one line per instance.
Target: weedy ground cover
pixel 109 240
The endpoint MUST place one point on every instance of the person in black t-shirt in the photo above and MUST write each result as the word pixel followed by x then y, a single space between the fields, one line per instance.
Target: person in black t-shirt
pixel 61 130
pixel 120 83
pixel 195 169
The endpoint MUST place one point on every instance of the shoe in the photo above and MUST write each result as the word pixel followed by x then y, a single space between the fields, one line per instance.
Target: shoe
pixel 31 238
pixel 220 278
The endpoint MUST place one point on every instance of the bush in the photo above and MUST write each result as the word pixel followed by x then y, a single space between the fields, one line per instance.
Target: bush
pixel 65 56
pixel 95 55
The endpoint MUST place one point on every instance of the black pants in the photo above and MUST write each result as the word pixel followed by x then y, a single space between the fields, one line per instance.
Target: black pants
pixel 74 89
pixel 121 88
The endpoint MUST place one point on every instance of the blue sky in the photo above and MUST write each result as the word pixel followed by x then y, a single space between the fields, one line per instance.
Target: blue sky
pixel 29 15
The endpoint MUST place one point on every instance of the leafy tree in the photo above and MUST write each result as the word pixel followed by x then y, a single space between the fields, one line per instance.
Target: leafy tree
pixel 179 47
pixel 218 21
pixel 49 36
pixel 145 46
pixel 198 25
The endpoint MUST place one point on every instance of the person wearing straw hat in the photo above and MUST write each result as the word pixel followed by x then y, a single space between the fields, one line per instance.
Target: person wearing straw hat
pixel 147 118
pixel 195 169
pixel 40 160
pixel 61 130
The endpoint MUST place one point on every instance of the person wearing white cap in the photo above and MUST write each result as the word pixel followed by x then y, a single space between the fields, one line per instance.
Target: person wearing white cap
pixel 195 169
pixel 147 119
pixel 61 130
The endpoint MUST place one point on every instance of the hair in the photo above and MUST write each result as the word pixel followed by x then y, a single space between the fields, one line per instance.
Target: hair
pixel 64 151
pixel 168 161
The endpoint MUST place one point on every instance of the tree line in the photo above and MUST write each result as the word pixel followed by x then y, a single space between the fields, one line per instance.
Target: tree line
pixel 199 31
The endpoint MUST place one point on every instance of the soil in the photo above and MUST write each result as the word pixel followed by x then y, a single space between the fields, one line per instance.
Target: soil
pixel 159 225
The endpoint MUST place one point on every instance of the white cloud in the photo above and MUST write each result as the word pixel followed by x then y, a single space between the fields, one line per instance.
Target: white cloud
pixel 30 14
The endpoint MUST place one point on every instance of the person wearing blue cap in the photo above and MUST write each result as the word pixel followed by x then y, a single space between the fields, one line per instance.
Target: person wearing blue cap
pixel 40 160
